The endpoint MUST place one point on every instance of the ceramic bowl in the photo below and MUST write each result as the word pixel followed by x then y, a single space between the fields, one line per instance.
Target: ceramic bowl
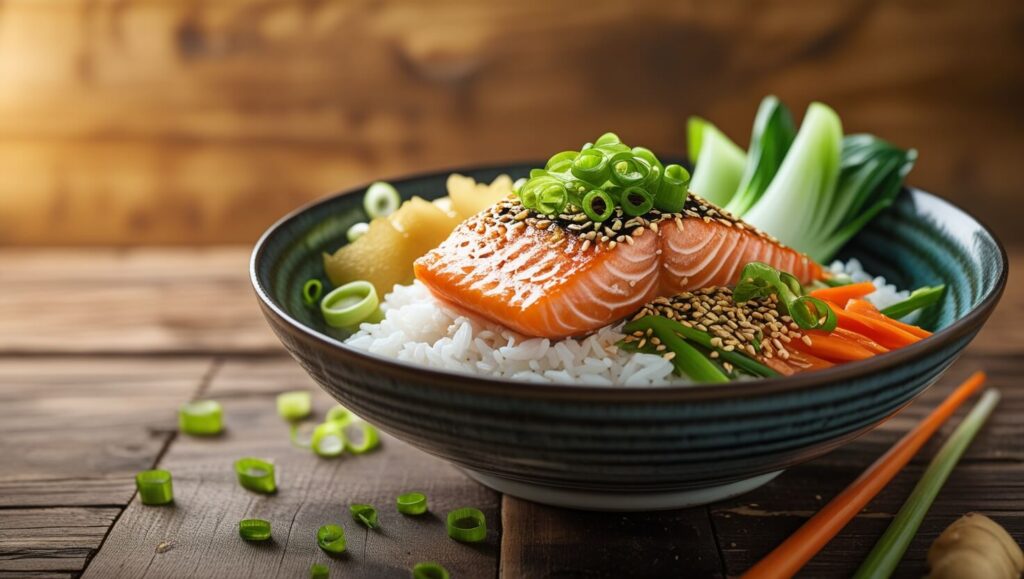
pixel 636 448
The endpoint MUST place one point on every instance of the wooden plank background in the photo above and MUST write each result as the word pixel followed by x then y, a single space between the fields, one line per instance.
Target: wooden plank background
pixel 181 122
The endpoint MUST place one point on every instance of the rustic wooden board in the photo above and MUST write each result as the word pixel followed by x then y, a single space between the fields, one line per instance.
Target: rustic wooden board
pixel 199 533
pixel 133 301
pixel 51 540
pixel 166 122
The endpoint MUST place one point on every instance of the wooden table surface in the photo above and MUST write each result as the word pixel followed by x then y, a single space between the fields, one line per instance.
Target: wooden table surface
pixel 98 348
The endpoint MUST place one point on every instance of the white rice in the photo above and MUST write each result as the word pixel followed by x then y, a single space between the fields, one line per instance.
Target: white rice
pixel 418 328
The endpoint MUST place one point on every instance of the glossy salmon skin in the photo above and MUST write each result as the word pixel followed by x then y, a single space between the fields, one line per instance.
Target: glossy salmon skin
pixel 564 277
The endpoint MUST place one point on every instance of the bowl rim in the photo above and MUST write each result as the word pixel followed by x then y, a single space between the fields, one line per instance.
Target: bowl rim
pixel 505 387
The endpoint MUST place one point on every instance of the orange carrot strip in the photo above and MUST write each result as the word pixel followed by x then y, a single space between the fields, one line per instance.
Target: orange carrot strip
pixel 832 347
pixel 861 339
pixel 884 333
pixel 844 293
pixel 866 308
pixel 802 545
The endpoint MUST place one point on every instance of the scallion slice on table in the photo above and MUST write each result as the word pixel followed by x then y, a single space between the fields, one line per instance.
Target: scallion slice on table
pixel 254 529
pixel 467 525
pixel 413 503
pixel 331 539
pixel 301 435
pixel 882 560
pixel 312 291
pixel 788 558
pixel 256 475
pixel 366 440
pixel 319 571
pixel 919 299
pixel 365 514
pixel 154 487
pixel 294 406
pixel 328 440
pixel 429 570
pixel 356 231
pixel 339 414
pixel 350 305
pixel 200 418
pixel 381 200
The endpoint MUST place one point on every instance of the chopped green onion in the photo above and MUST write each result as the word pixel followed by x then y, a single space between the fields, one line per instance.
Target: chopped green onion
pixel 467 525
pixel 760 280
pixel 365 514
pixel 381 200
pixel 154 487
pixel 671 194
pixel 635 201
pixel 367 437
pixel 200 418
pixel 328 440
pixel 552 199
pixel 560 162
pixel 518 184
pixel 301 435
pixel 331 538
pixel 647 155
pixel 608 138
pixel 356 231
pixel 882 560
pixel 591 166
pixel 311 292
pixel 256 475
pixel 350 304
pixel 413 503
pixel 429 570
pixel 254 529
pixel 319 571
pixel 293 406
pixel 598 205
pixel 339 414
pixel 919 299
pixel 628 169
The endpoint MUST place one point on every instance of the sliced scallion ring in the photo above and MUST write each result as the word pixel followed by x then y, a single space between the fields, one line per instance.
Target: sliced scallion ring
pixel 301 435
pixel 381 200
pixel 366 440
pixel 154 487
pixel 429 570
pixel 518 184
pixel 328 440
pixel 413 503
pixel 339 414
pixel 356 231
pixel 256 475
pixel 635 201
pixel 254 529
pixel 312 290
pixel 294 406
pixel 350 304
pixel 467 525
pixel 598 205
pixel 331 539
pixel 319 571
pixel 365 514
pixel 200 418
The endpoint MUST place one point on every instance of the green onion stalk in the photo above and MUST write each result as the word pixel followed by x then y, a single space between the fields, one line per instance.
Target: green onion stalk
pixel 760 280
pixel 604 175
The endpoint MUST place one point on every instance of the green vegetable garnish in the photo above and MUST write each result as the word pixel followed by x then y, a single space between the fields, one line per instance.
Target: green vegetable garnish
pixel 429 571
pixel 718 162
pixel 328 440
pixel 770 140
pixel 598 205
pixel 737 359
pixel 200 418
pixel 467 525
pixel 918 299
pixel 356 231
pixel 412 503
pixel 254 529
pixel 154 487
pixel 759 280
pixel 256 475
pixel 636 201
pixel 312 290
pixel 366 437
pixel 319 571
pixel 381 200
pixel 294 406
pixel 365 514
pixel 688 361
pixel 331 538
pixel 882 560
pixel 339 414
pixel 351 305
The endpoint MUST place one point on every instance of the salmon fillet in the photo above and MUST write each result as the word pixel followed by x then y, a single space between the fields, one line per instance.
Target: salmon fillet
pixel 562 277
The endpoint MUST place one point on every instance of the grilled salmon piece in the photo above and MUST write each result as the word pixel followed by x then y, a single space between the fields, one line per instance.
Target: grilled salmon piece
pixel 563 277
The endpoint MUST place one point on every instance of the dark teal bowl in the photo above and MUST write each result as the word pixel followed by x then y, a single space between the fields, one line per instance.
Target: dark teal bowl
pixel 636 448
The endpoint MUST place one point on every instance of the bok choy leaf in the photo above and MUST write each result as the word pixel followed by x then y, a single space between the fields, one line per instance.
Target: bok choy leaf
pixel 717 160
pixel 770 140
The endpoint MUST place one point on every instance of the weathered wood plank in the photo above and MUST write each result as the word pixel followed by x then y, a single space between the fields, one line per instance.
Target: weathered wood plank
pixel 134 301
pixel 167 122
pixel 199 532
pixel 57 539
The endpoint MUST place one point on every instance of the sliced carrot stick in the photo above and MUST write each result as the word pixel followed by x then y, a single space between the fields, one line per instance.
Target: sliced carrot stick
pixel 844 293
pixel 860 339
pixel 832 346
pixel 803 361
pixel 866 308
pixel 802 545
pixel 878 330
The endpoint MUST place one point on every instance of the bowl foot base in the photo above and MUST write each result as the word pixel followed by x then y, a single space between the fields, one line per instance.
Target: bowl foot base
pixel 624 501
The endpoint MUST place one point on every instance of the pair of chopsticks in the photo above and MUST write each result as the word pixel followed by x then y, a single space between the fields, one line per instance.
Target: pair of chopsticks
pixel 801 546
